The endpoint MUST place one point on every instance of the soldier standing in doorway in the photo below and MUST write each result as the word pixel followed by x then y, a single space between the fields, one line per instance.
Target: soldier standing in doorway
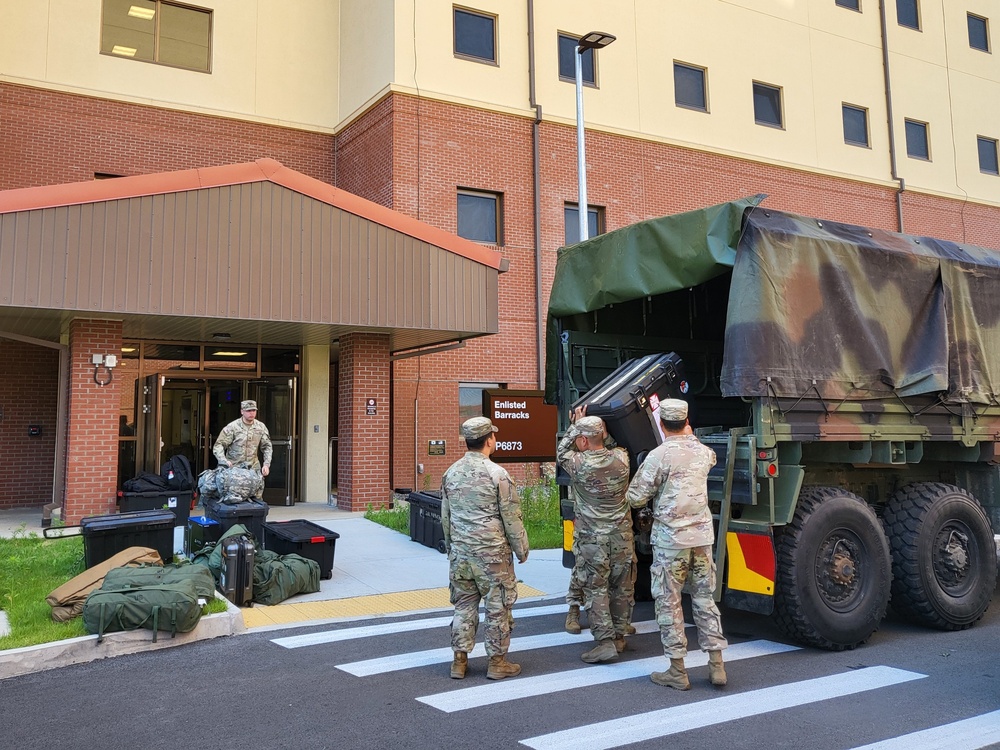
pixel 240 440
pixel 603 538
pixel 481 520
pixel 675 476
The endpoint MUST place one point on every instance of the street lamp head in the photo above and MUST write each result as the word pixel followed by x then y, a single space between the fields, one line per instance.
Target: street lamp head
pixel 595 40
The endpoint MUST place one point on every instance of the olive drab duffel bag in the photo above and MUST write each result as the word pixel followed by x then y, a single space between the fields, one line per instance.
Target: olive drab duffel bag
pixel 171 607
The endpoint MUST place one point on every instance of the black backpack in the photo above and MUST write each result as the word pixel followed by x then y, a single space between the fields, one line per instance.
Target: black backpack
pixel 177 473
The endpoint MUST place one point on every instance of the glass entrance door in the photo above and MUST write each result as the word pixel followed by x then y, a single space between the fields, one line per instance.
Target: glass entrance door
pixel 192 413
pixel 275 399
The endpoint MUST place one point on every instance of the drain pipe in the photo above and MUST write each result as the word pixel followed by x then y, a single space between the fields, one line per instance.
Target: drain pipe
pixel 888 107
pixel 537 183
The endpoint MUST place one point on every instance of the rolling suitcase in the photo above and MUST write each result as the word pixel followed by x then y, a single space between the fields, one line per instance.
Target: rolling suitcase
pixel 628 399
pixel 236 576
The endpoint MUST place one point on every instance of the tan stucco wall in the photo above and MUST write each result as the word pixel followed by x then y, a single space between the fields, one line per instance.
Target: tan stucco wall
pixel 314 483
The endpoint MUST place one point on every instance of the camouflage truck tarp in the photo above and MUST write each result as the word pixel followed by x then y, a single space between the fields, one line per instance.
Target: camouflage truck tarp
pixel 842 311
pixel 651 257
pixel 833 310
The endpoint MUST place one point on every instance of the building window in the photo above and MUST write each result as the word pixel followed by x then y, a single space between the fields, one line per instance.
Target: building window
pixel 475 35
pixel 689 87
pixel 158 32
pixel 908 13
pixel 571 220
pixel 855 125
pixel 479 217
pixel 470 399
pixel 567 61
pixel 988 162
pixel 979 33
pixel 917 143
pixel 851 4
pixel 767 105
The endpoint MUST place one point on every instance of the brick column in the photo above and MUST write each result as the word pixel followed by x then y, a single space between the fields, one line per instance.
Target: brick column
pixel 92 428
pixel 363 453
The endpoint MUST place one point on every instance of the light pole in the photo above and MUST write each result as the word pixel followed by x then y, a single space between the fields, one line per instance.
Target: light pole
pixel 591 40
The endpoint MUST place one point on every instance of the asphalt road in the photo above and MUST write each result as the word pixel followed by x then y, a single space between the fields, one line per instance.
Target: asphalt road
pixel 383 683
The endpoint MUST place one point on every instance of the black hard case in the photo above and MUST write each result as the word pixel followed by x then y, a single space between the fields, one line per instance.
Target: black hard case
pixel 106 536
pixel 305 538
pixel 625 400
pixel 236 576
pixel 250 514
pixel 177 501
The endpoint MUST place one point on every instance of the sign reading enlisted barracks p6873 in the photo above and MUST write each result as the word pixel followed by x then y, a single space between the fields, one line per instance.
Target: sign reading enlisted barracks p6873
pixel 526 425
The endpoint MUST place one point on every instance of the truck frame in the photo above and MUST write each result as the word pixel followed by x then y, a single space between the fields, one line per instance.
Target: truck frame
pixel 848 379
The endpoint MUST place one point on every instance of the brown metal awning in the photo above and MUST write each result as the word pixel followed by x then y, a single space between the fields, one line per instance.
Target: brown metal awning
pixel 257 250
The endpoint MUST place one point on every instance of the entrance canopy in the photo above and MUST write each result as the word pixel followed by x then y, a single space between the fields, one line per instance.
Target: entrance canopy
pixel 258 251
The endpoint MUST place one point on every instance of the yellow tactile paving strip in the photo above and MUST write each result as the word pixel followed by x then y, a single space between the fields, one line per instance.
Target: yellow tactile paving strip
pixel 376 604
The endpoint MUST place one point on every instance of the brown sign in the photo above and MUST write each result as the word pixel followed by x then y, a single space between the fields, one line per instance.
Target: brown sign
pixel 526 425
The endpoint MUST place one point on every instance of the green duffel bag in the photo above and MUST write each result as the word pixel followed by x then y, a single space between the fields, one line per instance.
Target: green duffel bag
pixel 277 577
pixel 157 575
pixel 171 607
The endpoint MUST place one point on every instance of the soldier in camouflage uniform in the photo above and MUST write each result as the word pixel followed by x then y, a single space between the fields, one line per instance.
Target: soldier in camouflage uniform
pixel 675 476
pixel 602 530
pixel 240 440
pixel 481 520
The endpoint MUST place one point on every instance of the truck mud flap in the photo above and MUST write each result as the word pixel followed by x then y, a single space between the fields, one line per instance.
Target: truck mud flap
pixel 750 571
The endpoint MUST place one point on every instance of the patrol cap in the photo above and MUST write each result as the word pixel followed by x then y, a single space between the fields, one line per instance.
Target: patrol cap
pixel 477 427
pixel 590 426
pixel 248 404
pixel 673 410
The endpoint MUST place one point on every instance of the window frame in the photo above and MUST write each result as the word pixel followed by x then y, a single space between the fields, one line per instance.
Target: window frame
pixel 574 206
pixel 560 35
pixel 471 386
pixel 867 143
pixel 210 12
pixel 498 213
pixel 856 6
pixel 704 86
pixel 495 60
pixel 986 32
pixel 916 13
pixel 927 138
pixel 980 140
pixel 780 125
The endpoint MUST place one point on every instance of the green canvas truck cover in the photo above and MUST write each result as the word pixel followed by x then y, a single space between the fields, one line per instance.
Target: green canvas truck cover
pixel 815 307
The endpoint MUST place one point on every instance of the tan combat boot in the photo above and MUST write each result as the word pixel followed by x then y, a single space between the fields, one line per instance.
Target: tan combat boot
pixel 459 664
pixel 619 643
pixel 630 629
pixel 716 669
pixel 676 677
pixel 603 651
pixel 573 619
pixel 500 668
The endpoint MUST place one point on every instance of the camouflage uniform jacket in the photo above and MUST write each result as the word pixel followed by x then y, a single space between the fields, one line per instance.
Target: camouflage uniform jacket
pixel 239 442
pixel 481 512
pixel 675 473
pixel 600 478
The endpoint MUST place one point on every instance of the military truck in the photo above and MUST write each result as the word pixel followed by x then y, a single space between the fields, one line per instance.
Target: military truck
pixel 849 381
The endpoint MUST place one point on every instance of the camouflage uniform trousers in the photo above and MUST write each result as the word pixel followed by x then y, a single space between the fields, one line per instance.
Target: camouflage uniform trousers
pixel 670 570
pixel 605 561
pixel 470 581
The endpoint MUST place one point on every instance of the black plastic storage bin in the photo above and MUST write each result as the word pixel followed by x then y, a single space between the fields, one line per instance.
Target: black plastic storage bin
pixel 305 538
pixel 178 502
pixel 425 519
pixel 627 401
pixel 106 536
pixel 201 531
pixel 250 514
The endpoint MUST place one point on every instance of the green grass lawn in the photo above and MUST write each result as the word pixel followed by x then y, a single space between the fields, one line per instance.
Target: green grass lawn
pixel 539 508
pixel 30 569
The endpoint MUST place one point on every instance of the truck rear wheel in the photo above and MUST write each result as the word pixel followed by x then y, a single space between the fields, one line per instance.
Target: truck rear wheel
pixel 834 571
pixel 943 555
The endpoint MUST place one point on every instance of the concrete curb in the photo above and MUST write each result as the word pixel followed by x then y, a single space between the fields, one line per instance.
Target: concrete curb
pixel 19 661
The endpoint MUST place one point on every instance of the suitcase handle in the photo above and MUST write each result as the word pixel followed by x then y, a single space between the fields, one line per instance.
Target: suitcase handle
pixel 61 532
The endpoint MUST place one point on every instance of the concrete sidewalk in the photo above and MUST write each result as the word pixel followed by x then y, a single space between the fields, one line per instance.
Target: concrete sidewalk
pixel 376 572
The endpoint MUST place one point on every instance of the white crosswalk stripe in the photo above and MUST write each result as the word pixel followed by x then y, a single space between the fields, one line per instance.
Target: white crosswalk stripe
pixel 443 655
pixel 401 626
pixel 526 687
pixel 968 734
pixel 655 724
